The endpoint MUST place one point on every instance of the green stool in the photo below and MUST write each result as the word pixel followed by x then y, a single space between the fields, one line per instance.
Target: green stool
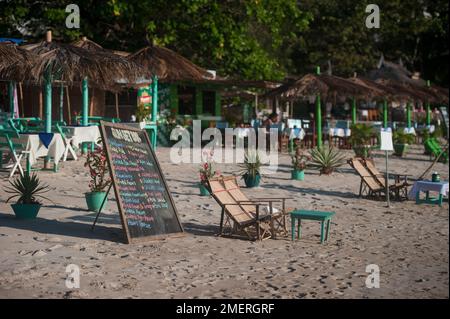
pixel 323 217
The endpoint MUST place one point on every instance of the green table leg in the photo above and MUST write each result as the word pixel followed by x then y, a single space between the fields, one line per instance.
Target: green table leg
pixel 440 200
pixel 418 197
pixel 299 228
pixel 328 229
pixel 322 226
pixel 292 228
pixel 427 196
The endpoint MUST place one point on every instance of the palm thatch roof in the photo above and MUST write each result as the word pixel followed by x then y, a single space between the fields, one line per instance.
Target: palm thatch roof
pixel 328 86
pixel 69 63
pixel 15 62
pixel 396 75
pixel 168 65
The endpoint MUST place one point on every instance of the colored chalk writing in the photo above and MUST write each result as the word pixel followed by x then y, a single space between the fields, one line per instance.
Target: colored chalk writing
pixel 144 200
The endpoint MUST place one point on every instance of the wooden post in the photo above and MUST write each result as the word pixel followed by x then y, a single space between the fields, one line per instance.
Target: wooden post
pixel 353 110
pixel 408 115
pixel 11 85
pixel 91 104
pixel 385 113
pixel 117 104
pixel 69 112
pixel 318 116
pixel 85 110
pixel 61 103
pixel 40 104
pixel 48 103
pixel 21 99
pixel 428 109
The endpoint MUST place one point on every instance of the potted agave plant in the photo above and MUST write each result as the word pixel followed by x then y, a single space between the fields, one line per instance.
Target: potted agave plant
pixel 251 169
pixel 100 180
pixel 299 161
pixel 27 189
pixel 206 172
pixel 401 141
pixel 326 159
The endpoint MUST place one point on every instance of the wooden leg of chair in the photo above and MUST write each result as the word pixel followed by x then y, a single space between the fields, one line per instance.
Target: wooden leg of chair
pixel 221 222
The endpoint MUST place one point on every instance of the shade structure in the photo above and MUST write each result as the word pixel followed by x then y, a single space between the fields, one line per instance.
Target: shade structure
pixel 69 63
pixel 328 86
pixel 15 62
pixel 322 86
pixel 168 65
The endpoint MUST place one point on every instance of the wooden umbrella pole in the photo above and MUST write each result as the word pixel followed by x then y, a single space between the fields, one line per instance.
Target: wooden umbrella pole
pixel 21 99
pixel 91 106
pixel 117 105
pixel 68 105
pixel 40 103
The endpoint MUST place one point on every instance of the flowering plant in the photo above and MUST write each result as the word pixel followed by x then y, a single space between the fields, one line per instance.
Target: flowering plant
pixel 206 168
pixel 98 170
pixel 300 160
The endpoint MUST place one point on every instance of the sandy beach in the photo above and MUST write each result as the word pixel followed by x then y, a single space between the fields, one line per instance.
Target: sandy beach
pixel 409 242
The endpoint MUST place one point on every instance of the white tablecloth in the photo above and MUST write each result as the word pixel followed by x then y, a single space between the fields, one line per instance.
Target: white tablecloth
pixel 80 134
pixel 37 149
pixel 422 186
pixel 295 133
pixel 340 132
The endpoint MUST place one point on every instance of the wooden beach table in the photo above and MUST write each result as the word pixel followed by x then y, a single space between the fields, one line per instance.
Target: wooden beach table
pixel 427 186
pixel 323 217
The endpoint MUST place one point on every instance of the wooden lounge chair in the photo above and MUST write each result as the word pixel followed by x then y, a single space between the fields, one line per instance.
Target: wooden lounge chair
pixel 369 185
pixel 247 217
pixel 400 186
pixel 278 226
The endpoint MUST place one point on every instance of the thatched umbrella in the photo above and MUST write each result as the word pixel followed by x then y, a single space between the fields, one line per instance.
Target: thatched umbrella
pixel 15 65
pixel 168 65
pixel 401 79
pixel 69 64
pixel 322 85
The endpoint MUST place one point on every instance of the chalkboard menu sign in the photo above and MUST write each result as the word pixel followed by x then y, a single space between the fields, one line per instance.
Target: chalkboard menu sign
pixel 145 204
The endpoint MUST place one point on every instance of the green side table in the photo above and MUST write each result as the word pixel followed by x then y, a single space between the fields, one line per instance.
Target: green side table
pixel 323 217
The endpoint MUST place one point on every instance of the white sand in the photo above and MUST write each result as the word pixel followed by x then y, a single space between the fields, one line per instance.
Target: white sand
pixel 408 242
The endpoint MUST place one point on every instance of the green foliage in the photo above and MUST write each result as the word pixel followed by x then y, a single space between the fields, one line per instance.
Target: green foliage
pixel 254 39
pixel 252 164
pixel 250 39
pixel 400 137
pixel 27 189
pixel 300 160
pixel 338 34
pixel 142 112
pixel 361 134
pixel 326 159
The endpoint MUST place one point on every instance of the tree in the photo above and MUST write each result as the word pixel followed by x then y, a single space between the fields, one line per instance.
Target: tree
pixel 249 39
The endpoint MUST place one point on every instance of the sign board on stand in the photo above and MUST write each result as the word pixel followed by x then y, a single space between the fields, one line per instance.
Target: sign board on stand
pixel 146 207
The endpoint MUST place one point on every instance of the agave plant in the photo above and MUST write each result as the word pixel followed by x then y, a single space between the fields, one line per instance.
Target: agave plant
pixel 27 188
pixel 326 159
pixel 252 164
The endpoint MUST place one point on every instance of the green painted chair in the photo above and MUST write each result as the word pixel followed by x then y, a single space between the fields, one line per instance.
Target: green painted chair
pixel 16 150
pixel 433 147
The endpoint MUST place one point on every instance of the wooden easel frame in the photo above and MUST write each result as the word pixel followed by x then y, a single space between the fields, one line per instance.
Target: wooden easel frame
pixel 123 217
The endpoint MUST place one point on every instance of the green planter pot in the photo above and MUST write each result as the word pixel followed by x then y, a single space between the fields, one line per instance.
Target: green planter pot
pixel 298 175
pixel 400 149
pixel 203 190
pixel 252 181
pixel 26 211
pixel 94 200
